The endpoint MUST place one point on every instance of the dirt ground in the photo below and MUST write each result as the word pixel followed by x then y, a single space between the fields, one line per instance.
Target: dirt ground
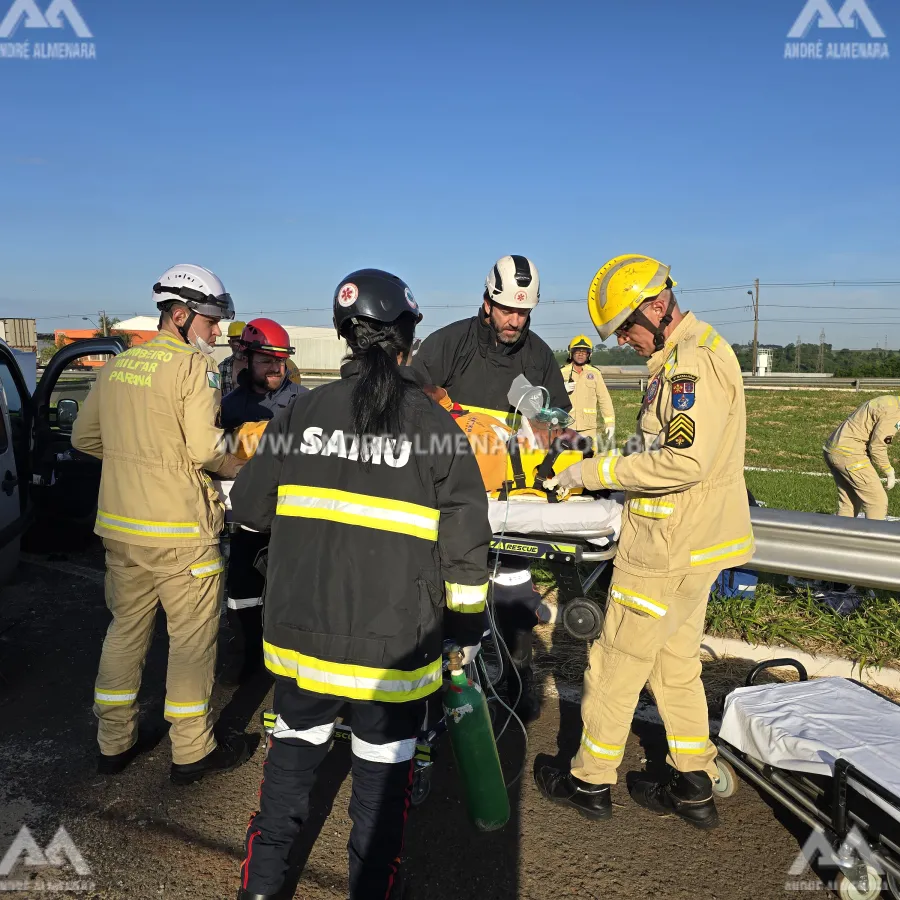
pixel 143 838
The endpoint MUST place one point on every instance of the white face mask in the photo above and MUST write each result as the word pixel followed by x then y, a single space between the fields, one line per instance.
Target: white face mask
pixel 201 344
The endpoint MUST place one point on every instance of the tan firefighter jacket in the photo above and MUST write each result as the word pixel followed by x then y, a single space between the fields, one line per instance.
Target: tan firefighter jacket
pixel 686 506
pixel 868 433
pixel 152 418
pixel 589 393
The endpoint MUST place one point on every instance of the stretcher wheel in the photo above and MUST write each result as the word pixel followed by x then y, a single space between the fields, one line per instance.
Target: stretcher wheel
pixel 894 886
pixel 421 786
pixel 727 783
pixel 847 890
pixel 583 619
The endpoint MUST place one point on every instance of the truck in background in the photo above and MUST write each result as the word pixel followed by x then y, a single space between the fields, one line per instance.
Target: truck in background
pixel 20 334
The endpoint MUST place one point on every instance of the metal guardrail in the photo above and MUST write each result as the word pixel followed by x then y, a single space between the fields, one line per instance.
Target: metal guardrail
pixel 831 548
pixel 780 380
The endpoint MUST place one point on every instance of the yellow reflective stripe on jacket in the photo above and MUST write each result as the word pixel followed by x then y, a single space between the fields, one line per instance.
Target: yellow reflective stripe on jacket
pixel 601 751
pixel 606 471
pixel 358 509
pixel 467 598
pixel 171 341
pixel 353 681
pixel 204 570
pixel 710 338
pixel 837 448
pixel 609 420
pixel 652 509
pixel 725 550
pixel 186 710
pixel 640 602
pixel 859 465
pixel 147 527
pixel 692 745
pixel 114 698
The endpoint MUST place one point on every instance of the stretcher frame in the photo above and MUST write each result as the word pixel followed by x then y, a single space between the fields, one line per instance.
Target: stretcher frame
pixel 832 807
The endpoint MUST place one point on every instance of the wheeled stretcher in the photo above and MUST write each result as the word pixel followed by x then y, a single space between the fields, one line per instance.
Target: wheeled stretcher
pixel 829 751
pixel 578 537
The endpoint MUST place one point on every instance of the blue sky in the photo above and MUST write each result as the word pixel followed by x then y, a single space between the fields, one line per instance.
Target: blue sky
pixel 284 143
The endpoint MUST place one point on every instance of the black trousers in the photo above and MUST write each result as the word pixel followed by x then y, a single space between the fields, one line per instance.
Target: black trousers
pixel 243 595
pixel 383 746
pixel 515 609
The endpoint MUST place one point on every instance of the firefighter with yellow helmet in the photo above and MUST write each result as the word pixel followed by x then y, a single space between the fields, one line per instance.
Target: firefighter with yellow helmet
pixel 686 518
pixel 233 365
pixel 587 389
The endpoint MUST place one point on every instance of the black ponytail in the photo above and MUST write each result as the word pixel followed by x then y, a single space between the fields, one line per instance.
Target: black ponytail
pixel 380 391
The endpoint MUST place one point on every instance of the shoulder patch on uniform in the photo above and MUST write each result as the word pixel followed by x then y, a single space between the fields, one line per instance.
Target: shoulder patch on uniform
pixel 652 390
pixel 684 392
pixel 681 432
pixel 214 380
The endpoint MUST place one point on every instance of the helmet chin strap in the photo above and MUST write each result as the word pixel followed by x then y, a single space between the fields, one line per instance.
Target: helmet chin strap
pixel 658 331
pixel 184 330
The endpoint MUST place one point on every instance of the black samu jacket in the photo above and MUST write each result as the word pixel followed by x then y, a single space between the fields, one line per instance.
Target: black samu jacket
pixel 363 561
pixel 477 371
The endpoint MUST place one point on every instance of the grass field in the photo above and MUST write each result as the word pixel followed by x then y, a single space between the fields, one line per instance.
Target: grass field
pixel 786 431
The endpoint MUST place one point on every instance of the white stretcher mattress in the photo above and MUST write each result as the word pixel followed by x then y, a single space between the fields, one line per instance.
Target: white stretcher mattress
pixel 586 518
pixel 808 725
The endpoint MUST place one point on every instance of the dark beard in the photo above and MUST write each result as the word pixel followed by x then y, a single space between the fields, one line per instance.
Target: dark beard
pixel 505 341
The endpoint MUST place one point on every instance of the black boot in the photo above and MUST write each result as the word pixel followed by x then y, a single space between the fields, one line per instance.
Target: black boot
pixel 112 765
pixel 593 801
pixel 528 705
pixel 246 895
pixel 520 684
pixel 228 755
pixel 686 794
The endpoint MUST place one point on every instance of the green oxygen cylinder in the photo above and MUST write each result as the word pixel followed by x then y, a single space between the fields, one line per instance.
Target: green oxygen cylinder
pixel 475 750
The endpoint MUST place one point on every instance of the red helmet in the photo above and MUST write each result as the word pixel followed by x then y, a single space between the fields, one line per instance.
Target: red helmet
pixel 266 337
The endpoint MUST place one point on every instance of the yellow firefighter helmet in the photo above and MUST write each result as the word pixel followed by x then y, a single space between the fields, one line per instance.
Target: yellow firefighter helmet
pixel 621 286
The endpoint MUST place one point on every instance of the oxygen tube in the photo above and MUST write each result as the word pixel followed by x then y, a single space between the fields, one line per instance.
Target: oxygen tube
pixel 465 704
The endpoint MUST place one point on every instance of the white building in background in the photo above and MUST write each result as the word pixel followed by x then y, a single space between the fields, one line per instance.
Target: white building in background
pixel 314 348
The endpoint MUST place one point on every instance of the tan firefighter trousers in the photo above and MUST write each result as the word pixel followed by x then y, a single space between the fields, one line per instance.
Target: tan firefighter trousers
pixel 858 485
pixel 188 582
pixel 652 631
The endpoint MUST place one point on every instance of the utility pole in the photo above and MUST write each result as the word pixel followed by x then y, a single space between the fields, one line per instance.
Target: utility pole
pixel 104 324
pixel 822 352
pixel 755 297
pixel 797 353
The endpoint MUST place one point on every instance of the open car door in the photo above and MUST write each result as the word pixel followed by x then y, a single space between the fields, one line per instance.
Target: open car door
pixel 64 483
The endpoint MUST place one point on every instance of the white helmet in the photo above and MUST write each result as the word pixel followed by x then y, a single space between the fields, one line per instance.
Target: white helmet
pixel 200 290
pixel 514 282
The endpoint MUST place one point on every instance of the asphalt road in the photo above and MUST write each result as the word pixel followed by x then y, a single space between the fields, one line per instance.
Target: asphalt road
pixel 143 838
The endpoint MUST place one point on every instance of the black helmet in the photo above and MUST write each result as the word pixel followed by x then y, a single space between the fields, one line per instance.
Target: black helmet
pixel 372 294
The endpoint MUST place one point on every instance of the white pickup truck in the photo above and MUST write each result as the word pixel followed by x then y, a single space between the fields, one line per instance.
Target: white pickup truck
pixel 40 475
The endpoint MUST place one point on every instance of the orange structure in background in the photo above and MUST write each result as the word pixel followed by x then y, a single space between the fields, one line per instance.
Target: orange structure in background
pixel 65 336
